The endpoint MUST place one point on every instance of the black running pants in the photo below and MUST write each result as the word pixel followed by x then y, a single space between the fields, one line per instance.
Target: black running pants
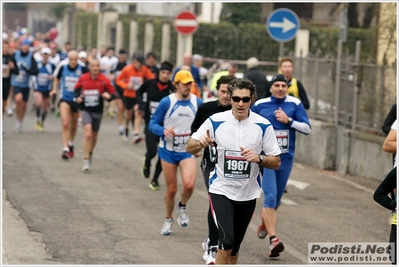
pixel 232 218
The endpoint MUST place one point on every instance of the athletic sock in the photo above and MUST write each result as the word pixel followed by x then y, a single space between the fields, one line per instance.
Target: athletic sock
pixel 38 113
pixel 271 238
pixel 44 114
pixel 181 205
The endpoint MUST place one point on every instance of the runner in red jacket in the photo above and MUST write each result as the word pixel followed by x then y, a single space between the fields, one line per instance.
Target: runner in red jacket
pixel 91 90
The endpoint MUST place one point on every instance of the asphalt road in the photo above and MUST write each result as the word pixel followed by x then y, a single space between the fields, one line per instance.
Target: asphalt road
pixel 54 214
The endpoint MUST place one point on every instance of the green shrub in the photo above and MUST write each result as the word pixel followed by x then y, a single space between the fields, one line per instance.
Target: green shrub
pixel 227 41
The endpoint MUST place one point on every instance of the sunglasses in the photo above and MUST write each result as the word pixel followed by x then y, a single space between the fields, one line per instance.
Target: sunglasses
pixel 237 99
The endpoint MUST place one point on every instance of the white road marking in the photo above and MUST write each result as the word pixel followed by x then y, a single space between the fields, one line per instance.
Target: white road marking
pixel 287 201
pixel 298 184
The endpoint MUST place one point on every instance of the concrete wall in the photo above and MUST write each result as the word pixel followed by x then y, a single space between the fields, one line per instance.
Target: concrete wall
pixel 346 151
pixel 363 155
pixel 318 148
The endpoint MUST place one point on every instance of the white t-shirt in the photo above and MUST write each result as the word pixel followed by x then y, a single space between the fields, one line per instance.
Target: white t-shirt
pixel 233 176
pixel 108 63
pixel 55 59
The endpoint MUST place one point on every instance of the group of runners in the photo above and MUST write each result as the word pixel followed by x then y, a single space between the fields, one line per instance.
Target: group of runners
pixel 248 144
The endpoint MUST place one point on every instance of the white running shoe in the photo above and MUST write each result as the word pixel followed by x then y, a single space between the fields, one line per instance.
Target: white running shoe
pixel 212 255
pixel 125 136
pixel 183 219
pixel 9 111
pixel 18 127
pixel 167 226
pixel 121 130
pixel 205 247
pixel 86 165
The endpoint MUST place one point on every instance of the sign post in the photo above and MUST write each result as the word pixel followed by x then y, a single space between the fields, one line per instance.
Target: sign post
pixel 186 25
pixel 282 26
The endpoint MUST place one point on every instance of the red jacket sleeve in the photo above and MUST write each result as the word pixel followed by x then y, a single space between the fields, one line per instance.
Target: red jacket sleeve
pixel 108 86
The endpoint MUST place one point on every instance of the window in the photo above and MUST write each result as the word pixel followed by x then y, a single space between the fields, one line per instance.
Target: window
pixel 303 10
pixel 132 8
pixel 198 8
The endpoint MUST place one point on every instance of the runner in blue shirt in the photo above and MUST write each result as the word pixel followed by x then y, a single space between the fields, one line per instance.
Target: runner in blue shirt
pixel 43 85
pixel 172 122
pixel 287 115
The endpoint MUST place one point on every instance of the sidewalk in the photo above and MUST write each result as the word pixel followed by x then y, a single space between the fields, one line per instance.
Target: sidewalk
pixel 19 245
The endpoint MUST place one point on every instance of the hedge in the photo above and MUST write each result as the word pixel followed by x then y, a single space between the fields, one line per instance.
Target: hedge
pixel 224 40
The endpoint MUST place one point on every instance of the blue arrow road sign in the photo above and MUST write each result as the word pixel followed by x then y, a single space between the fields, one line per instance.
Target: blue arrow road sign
pixel 282 25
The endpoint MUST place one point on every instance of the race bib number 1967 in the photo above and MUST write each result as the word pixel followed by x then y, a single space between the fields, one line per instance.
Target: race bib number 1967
pixel 235 165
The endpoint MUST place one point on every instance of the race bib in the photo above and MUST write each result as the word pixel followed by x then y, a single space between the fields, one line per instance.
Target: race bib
pixel 213 153
pixel 91 97
pixel 153 107
pixel 21 77
pixel 235 165
pixel 6 71
pixel 70 83
pixel 283 138
pixel 180 139
pixel 136 82
pixel 42 79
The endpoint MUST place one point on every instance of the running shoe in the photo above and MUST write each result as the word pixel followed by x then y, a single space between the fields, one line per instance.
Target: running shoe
pixel 111 114
pixel 9 111
pixel 86 165
pixel 65 155
pixel 121 130
pixel 154 185
pixel 205 247
pixel 212 255
pixel 276 246
pixel 71 154
pixel 18 127
pixel 41 128
pixel 137 139
pixel 183 219
pixel 145 171
pixel 261 230
pixel 125 137
pixel 37 126
pixel 167 226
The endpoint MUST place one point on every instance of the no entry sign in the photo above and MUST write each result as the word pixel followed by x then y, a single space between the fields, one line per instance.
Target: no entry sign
pixel 186 23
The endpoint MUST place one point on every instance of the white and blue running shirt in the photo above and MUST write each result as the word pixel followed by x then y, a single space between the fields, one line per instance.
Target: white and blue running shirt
pixel 233 176
pixel 178 114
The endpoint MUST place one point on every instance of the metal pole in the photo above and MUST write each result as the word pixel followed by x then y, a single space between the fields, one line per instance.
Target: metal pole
pixel 356 85
pixel 184 43
pixel 382 105
pixel 89 30
pixel 347 92
pixel 300 66
pixel 316 85
pixel 337 82
pixel 281 52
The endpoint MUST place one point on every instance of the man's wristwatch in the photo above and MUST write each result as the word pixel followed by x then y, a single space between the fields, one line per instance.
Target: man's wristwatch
pixel 289 120
pixel 260 159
